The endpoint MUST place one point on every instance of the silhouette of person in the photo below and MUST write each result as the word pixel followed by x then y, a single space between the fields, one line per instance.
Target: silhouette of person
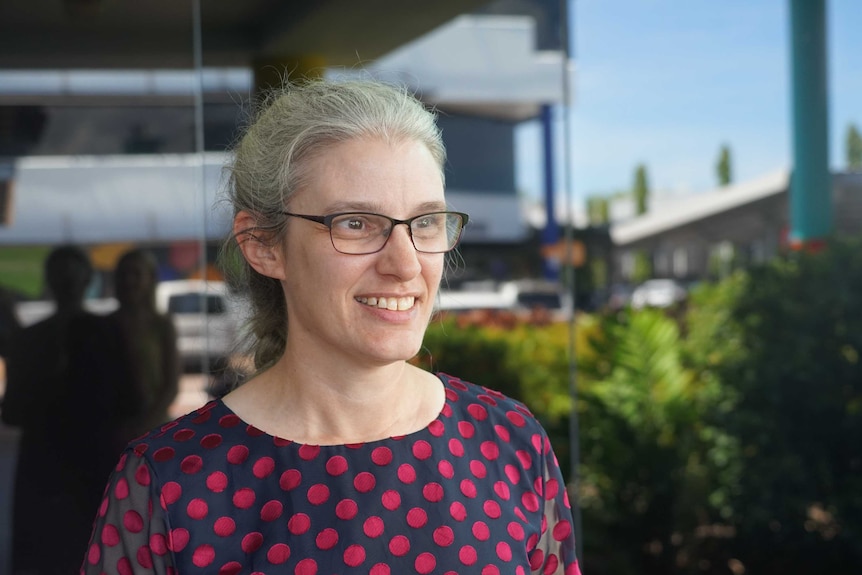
pixel 54 490
pixel 149 340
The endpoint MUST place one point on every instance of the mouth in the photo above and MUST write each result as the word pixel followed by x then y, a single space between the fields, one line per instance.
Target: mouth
pixel 389 303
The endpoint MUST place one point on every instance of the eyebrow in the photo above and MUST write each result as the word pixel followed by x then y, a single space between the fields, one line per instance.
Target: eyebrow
pixel 375 208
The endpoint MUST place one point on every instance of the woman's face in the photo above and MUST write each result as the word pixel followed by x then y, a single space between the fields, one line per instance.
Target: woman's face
pixel 330 295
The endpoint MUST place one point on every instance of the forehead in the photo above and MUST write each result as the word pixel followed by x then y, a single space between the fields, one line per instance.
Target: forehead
pixel 372 174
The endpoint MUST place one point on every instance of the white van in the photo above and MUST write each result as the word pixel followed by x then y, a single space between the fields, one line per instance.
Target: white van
pixel 205 319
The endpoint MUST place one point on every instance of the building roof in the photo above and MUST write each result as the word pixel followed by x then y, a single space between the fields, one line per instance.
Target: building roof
pixel 693 208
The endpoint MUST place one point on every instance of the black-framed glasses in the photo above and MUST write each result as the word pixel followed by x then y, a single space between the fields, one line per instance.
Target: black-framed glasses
pixel 359 233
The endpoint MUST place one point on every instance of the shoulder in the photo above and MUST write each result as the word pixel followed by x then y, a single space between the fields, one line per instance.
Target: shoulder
pixel 486 404
pixel 187 435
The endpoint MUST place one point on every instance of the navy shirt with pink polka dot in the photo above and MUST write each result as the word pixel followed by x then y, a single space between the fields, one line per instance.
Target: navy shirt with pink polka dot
pixel 478 491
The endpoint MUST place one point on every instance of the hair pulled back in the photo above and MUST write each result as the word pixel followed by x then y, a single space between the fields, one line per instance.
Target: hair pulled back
pixel 293 125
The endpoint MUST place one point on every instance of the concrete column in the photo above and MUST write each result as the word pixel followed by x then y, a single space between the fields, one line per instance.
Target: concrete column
pixel 551 232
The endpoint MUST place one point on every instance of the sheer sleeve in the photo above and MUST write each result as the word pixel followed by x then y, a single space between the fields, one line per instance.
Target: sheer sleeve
pixel 555 553
pixel 130 534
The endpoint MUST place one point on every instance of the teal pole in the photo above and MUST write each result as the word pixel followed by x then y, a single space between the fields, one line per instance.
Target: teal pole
pixel 811 185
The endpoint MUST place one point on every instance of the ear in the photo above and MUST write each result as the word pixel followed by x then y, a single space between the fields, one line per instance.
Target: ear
pixel 257 247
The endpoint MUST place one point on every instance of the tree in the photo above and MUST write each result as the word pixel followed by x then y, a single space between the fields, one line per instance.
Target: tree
pixel 724 168
pixel 598 210
pixel 854 148
pixel 641 190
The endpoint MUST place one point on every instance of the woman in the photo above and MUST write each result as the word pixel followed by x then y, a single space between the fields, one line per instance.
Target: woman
pixel 338 456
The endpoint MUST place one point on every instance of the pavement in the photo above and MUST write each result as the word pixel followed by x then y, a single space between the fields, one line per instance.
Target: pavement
pixel 191 396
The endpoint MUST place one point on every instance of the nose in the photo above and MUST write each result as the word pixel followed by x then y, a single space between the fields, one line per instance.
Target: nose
pixel 399 257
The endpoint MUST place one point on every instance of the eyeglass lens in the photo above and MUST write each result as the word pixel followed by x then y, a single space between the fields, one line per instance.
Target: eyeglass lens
pixel 367 233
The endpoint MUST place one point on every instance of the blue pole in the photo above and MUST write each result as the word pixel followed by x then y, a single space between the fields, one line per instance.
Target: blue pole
pixel 810 186
pixel 551 232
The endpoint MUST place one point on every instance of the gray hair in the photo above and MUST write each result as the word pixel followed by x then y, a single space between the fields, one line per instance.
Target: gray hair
pixel 293 125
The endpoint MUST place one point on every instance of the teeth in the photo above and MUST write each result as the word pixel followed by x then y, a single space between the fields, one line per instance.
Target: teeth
pixel 390 303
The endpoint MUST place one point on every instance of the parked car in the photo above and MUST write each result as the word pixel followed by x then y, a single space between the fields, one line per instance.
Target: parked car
pixel 205 318
pixel 659 293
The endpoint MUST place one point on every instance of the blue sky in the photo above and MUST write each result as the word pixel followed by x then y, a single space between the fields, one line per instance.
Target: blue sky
pixel 667 82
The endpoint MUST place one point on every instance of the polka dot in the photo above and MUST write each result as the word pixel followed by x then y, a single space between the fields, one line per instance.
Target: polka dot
pixel 513 474
pixel 502 433
pixel 433 492
pixel 224 527
pixel 318 494
pixel 436 428
pixel 94 554
pixel 516 531
pixel 103 508
pixel 468 488
pixel 290 479
pixel 309 452
pixel 132 521
pixel 336 465
pixel 490 570
pixel 456 448
pixel 502 490
pixel 467 555
pixel 110 535
pixel 391 499
pixel 346 509
pixel 243 498
pixel 446 469
pixel 530 501
pixel 217 482
pixel 237 454
pixel 525 458
pixel 490 450
pixel 142 475
pixel 373 527
pixel 516 418
pixel 271 510
pixel 399 546
pixel 263 467
pixel 327 539
pixel 562 530
pixel 354 555
pixel 492 509
pixel 191 464
pixel 425 563
pixel 380 569
pixel 306 567
pixel 278 553
pixel 124 566
pixel 211 441
pixel 481 531
pixel 552 487
pixel 536 441
pixel 230 420
pixel 164 454
pixel 477 468
pixel 299 523
pixel 144 557
pixel 421 450
pixel 253 431
pixel 504 552
pixel 466 429
pixel 203 556
pixel 197 508
pixel 537 557
pixel 158 544
pixel 444 536
pixel 178 539
pixel 477 412
pixel 458 511
pixel 417 518
pixel 232 568
pixel 551 565
pixel 487 399
pixel 252 542
pixel 381 456
pixel 364 482
pixel 121 489
pixel 406 473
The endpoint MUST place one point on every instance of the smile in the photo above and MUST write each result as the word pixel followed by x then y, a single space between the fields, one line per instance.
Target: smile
pixel 390 303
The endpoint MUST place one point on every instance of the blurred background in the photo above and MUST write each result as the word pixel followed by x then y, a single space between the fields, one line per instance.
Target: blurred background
pixel 663 258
